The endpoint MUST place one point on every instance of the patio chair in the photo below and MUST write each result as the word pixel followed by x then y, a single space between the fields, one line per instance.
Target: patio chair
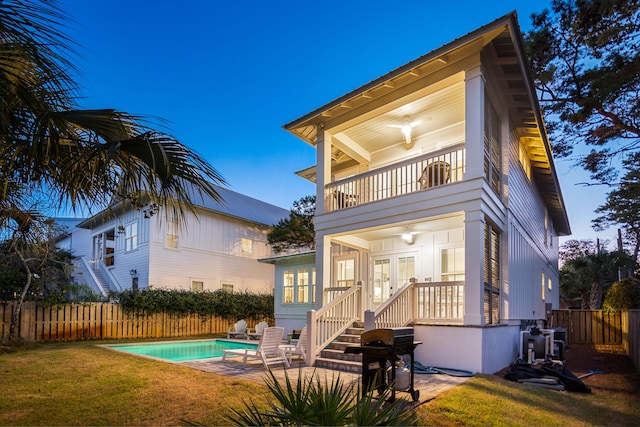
pixel 436 173
pixel 298 348
pixel 255 333
pixel 268 351
pixel 238 329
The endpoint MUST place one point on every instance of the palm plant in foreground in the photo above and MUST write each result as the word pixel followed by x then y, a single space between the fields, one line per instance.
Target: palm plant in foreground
pixel 312 401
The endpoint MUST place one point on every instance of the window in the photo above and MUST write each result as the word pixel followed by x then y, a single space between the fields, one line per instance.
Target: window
pixel 197 285
pixel 549 284
pixel 491 275
pixel 313 284
pixel 303 285
pixel 381 280
pixel 492 147
pixel 131 237
pixel 247 246
pixel 546 227
pixel 542 287
pixel 524 160
pixel 287 286
pixel 452 264
pixel 172 234
pixel 406 270
pixel 345 272
pixel 227 287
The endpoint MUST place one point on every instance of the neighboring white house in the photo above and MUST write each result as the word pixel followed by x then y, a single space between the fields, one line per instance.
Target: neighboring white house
pixel 122 249
pixel 438 206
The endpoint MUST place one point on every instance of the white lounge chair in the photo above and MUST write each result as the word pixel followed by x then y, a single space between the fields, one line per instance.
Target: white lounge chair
pixel 268 351
pixel 256 332
pixel 238 329
pixel 298 348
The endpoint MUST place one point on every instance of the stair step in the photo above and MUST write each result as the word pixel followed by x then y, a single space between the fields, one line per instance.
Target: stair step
pixel 332 354
pixel 339 365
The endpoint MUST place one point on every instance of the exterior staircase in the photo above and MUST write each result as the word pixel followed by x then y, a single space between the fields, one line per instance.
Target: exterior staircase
pixel 333 356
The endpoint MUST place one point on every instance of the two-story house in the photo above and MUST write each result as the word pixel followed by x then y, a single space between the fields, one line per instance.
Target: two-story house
pixel 438 204
pixel 126 247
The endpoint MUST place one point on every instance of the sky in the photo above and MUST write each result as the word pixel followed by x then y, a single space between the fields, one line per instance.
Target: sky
pixel 225 76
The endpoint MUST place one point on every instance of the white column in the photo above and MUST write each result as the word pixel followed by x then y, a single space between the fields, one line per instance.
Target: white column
pixel 474 268
pixel 323 167
pixel 474 122
pixel 323 267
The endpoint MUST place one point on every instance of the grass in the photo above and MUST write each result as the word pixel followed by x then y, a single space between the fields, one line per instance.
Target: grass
pixel 82 384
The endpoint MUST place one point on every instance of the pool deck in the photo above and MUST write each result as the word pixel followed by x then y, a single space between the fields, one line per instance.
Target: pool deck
pixel 429 385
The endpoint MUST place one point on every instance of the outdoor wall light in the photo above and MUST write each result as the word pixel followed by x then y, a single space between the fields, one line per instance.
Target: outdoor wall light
pixel 408 238
pixel 133 272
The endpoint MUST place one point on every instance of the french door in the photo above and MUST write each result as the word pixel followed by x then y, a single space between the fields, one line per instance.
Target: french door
pixel 389 274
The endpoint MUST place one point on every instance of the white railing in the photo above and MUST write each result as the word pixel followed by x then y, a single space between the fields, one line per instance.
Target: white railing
pixel 330 294
pixel 87 272
pixel 439 302
pixel 113 283
pixel 420 173
pixel 326 324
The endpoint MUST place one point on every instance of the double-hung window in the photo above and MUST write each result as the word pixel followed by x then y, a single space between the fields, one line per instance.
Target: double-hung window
pixel 131 237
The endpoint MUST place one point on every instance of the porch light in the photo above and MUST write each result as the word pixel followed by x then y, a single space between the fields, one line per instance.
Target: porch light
pixel 406 131
pixel 408 238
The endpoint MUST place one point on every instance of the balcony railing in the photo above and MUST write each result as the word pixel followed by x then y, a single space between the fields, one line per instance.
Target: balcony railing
pixel 438 302
pixel 416 174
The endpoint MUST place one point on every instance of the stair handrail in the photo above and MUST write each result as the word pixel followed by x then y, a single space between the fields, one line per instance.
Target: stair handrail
pixel 113 283
pixel 326 324
pixel 395 312
pixel 87 270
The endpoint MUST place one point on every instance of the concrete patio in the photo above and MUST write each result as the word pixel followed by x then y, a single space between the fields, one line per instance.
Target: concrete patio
pixel 429 385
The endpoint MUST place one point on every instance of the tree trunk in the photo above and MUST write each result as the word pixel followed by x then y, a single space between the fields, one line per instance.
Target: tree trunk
pixel 15 318
pixel 596 295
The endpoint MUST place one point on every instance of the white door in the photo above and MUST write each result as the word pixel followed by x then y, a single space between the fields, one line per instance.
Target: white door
pixel 389 274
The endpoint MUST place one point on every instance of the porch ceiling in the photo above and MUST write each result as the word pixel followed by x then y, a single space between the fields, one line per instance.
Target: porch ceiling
pixel 447 222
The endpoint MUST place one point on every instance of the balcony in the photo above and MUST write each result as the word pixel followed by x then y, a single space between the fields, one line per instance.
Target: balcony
pixel 421 173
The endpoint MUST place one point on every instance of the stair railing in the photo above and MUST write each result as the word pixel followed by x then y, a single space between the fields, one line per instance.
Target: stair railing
pixel 397 311
pixel 113 283
pixel 326 324
pixel 87 272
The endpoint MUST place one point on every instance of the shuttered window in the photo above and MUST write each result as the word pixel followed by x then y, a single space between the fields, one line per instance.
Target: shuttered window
pixel 491 275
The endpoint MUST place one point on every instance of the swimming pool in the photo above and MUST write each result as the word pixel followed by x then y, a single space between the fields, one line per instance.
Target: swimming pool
pixel 181 351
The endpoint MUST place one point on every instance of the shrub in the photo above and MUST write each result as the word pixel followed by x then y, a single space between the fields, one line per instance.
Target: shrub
pixel 326 403
pixel 228 305
pixel 624 294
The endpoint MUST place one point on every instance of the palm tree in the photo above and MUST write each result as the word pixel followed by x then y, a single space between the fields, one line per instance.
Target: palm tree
pixel 79 158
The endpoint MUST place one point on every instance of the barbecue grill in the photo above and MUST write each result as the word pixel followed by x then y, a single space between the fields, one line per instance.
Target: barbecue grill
pixel 379 347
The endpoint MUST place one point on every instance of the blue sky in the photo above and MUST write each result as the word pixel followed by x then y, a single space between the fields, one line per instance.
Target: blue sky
pixel 226 75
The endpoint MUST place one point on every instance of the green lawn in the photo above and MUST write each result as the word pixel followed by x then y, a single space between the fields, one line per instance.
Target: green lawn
pixel 82 384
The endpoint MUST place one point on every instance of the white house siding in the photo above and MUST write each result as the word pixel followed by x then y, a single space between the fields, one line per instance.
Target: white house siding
pixel 210 250
pixel 529 256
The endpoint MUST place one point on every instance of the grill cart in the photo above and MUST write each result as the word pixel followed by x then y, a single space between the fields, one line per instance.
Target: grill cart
pixel 379 347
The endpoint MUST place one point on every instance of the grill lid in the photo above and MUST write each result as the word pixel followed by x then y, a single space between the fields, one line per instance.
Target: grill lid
pixel 387 336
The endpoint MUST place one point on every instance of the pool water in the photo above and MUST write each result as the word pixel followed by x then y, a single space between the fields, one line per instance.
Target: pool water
pixel 181 351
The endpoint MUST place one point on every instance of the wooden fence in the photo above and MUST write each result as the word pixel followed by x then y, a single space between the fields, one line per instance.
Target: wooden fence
pixel 599 327
pixel 589 326
pixel 88 321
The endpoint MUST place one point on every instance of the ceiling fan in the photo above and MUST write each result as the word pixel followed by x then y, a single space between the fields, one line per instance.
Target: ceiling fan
pixel 406 129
